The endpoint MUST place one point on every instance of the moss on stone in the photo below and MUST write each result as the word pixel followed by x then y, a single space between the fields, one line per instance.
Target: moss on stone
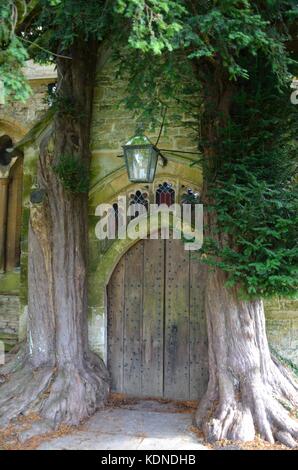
pixel 10 282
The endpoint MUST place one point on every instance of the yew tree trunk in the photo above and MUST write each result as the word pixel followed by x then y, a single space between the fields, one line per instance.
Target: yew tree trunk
pixel 248 390
pixel 249 393
pixel 57 375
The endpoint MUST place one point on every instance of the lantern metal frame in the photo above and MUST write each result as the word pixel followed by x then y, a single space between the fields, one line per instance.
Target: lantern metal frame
pixel 151 165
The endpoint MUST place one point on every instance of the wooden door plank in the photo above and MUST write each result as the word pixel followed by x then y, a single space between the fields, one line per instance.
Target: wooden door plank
pixel 153 319
pixel 115 298
pixel 198 344
pixel 176 348
pixel 133 306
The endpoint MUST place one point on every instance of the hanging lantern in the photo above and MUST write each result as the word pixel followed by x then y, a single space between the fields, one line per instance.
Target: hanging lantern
pixel 140 158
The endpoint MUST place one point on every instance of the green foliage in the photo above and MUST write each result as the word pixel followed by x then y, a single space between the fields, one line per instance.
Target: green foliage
pixel 73 174
pixel 213 30
pixel 256 193
pixel 149 91
pixel 155 24
pixel 60 23
pixel 12 53
pixel 49 28
pixel 261 223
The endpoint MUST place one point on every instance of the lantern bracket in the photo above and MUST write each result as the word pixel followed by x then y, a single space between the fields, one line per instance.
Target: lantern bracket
pixel 163 159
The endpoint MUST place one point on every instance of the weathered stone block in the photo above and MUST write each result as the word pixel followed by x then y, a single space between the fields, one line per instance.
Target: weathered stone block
pixel 9 315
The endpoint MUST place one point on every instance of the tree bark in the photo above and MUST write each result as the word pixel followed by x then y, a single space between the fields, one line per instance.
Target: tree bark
pixel 248 392
pixel 58 375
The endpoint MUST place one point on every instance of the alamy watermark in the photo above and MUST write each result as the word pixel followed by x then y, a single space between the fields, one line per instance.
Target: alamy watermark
pixel 2 353
pixel 136 221
pixel 2 93
pixel 294 94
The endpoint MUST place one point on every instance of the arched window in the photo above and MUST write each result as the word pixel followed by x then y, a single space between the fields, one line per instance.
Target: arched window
pixel 165 194
pixel 11 173
pixel 139 198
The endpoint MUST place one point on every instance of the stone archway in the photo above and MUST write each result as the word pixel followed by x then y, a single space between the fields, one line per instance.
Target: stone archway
pixel 13 128
pixel 102 264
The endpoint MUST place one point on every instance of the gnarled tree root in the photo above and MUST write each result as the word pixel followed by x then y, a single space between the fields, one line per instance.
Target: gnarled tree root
pixel 249 392
pixel 253 412
pixel 61 396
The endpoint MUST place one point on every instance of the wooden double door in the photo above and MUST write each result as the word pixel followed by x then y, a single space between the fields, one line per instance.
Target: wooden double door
pixel 157 339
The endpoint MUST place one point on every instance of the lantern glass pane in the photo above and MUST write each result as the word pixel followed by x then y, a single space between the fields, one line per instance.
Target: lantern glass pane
pixel 141 162
pixel 138 161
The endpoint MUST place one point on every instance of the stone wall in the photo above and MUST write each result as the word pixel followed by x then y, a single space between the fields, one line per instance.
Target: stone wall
pixel 282 327
pixel 24 115
pixel 17 118
pixel 9 307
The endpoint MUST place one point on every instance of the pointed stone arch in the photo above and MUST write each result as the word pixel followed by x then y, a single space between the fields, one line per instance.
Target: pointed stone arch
pixel 13 128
